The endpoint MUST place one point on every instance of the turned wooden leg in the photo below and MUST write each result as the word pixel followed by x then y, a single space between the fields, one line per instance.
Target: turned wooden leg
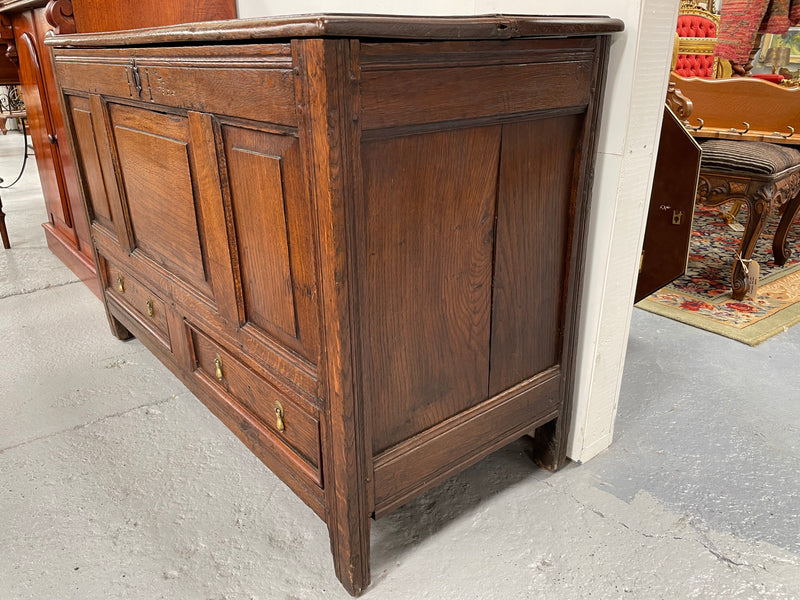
pixel 758 205
pixel 3 230
pixel 780 249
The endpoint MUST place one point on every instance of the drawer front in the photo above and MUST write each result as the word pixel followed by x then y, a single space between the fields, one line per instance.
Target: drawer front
pixel 258 86
pixel 295 427
pixel 131 293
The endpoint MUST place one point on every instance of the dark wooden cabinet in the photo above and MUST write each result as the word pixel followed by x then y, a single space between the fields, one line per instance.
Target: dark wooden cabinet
pixel 359 240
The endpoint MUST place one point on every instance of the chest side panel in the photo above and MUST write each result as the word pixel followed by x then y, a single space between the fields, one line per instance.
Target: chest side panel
pixel 532 254
pixel 427 278
pixel 465 239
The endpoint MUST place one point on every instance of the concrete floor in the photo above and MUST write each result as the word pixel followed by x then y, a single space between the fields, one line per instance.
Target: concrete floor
pixel 116 483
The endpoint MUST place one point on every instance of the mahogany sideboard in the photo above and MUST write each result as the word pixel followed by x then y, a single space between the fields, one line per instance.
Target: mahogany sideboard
pixel 359 240
pixel 24 24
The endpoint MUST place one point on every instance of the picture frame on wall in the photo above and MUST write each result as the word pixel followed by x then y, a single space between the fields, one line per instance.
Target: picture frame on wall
pixel 790 39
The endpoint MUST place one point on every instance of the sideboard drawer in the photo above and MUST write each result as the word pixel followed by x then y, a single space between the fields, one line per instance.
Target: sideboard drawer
pixel 295 427
pixel 137 298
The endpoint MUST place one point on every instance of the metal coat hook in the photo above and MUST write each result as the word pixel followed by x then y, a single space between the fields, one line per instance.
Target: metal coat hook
pixel 783 135
pixel 698 128
pixel 746 128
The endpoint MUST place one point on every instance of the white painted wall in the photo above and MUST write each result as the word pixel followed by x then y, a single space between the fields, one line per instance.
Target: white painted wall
pixel 633 103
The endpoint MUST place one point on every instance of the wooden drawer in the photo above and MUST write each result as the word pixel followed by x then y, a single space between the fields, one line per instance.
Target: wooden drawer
pixel 297 429
pixel 132 294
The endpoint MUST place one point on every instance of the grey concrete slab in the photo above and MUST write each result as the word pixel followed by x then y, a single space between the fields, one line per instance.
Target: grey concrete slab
pixel 63 368
pixel 161 502
pixel 116 483
pixel 711 428
pixel 28 265
pixel 157 502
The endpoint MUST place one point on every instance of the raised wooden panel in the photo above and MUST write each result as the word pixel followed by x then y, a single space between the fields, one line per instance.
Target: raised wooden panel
pixel 152 149
pixel 271 219
pixel 425 304
pixel 40 123
pixel 534 205
pixel 89 162
pixel 65 170
pixel 269 299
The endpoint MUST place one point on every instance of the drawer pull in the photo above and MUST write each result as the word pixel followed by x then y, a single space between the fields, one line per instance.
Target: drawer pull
pixel 218 367
pixel 150 312
pixel 121 284
pixel 137 80
pixel 279 425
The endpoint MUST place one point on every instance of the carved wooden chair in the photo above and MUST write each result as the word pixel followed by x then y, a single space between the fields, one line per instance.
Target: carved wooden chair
pixel 762 175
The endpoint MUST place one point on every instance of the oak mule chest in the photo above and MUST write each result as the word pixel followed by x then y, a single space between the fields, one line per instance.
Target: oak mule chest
pixel 357 239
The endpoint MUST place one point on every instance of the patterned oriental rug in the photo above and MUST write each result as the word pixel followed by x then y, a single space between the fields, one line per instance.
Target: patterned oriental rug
pixel 702 297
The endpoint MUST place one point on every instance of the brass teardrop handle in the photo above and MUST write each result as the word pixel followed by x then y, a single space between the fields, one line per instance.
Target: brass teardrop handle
pixel 150 312
pixel 279 424
pixel 120 284
pixel 218 367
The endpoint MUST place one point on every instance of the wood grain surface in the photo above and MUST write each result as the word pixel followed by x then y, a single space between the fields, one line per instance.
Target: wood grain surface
pixel 272 223
pixel 426 308
pixel 113 15
pixel 164 220
pixel 533 210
